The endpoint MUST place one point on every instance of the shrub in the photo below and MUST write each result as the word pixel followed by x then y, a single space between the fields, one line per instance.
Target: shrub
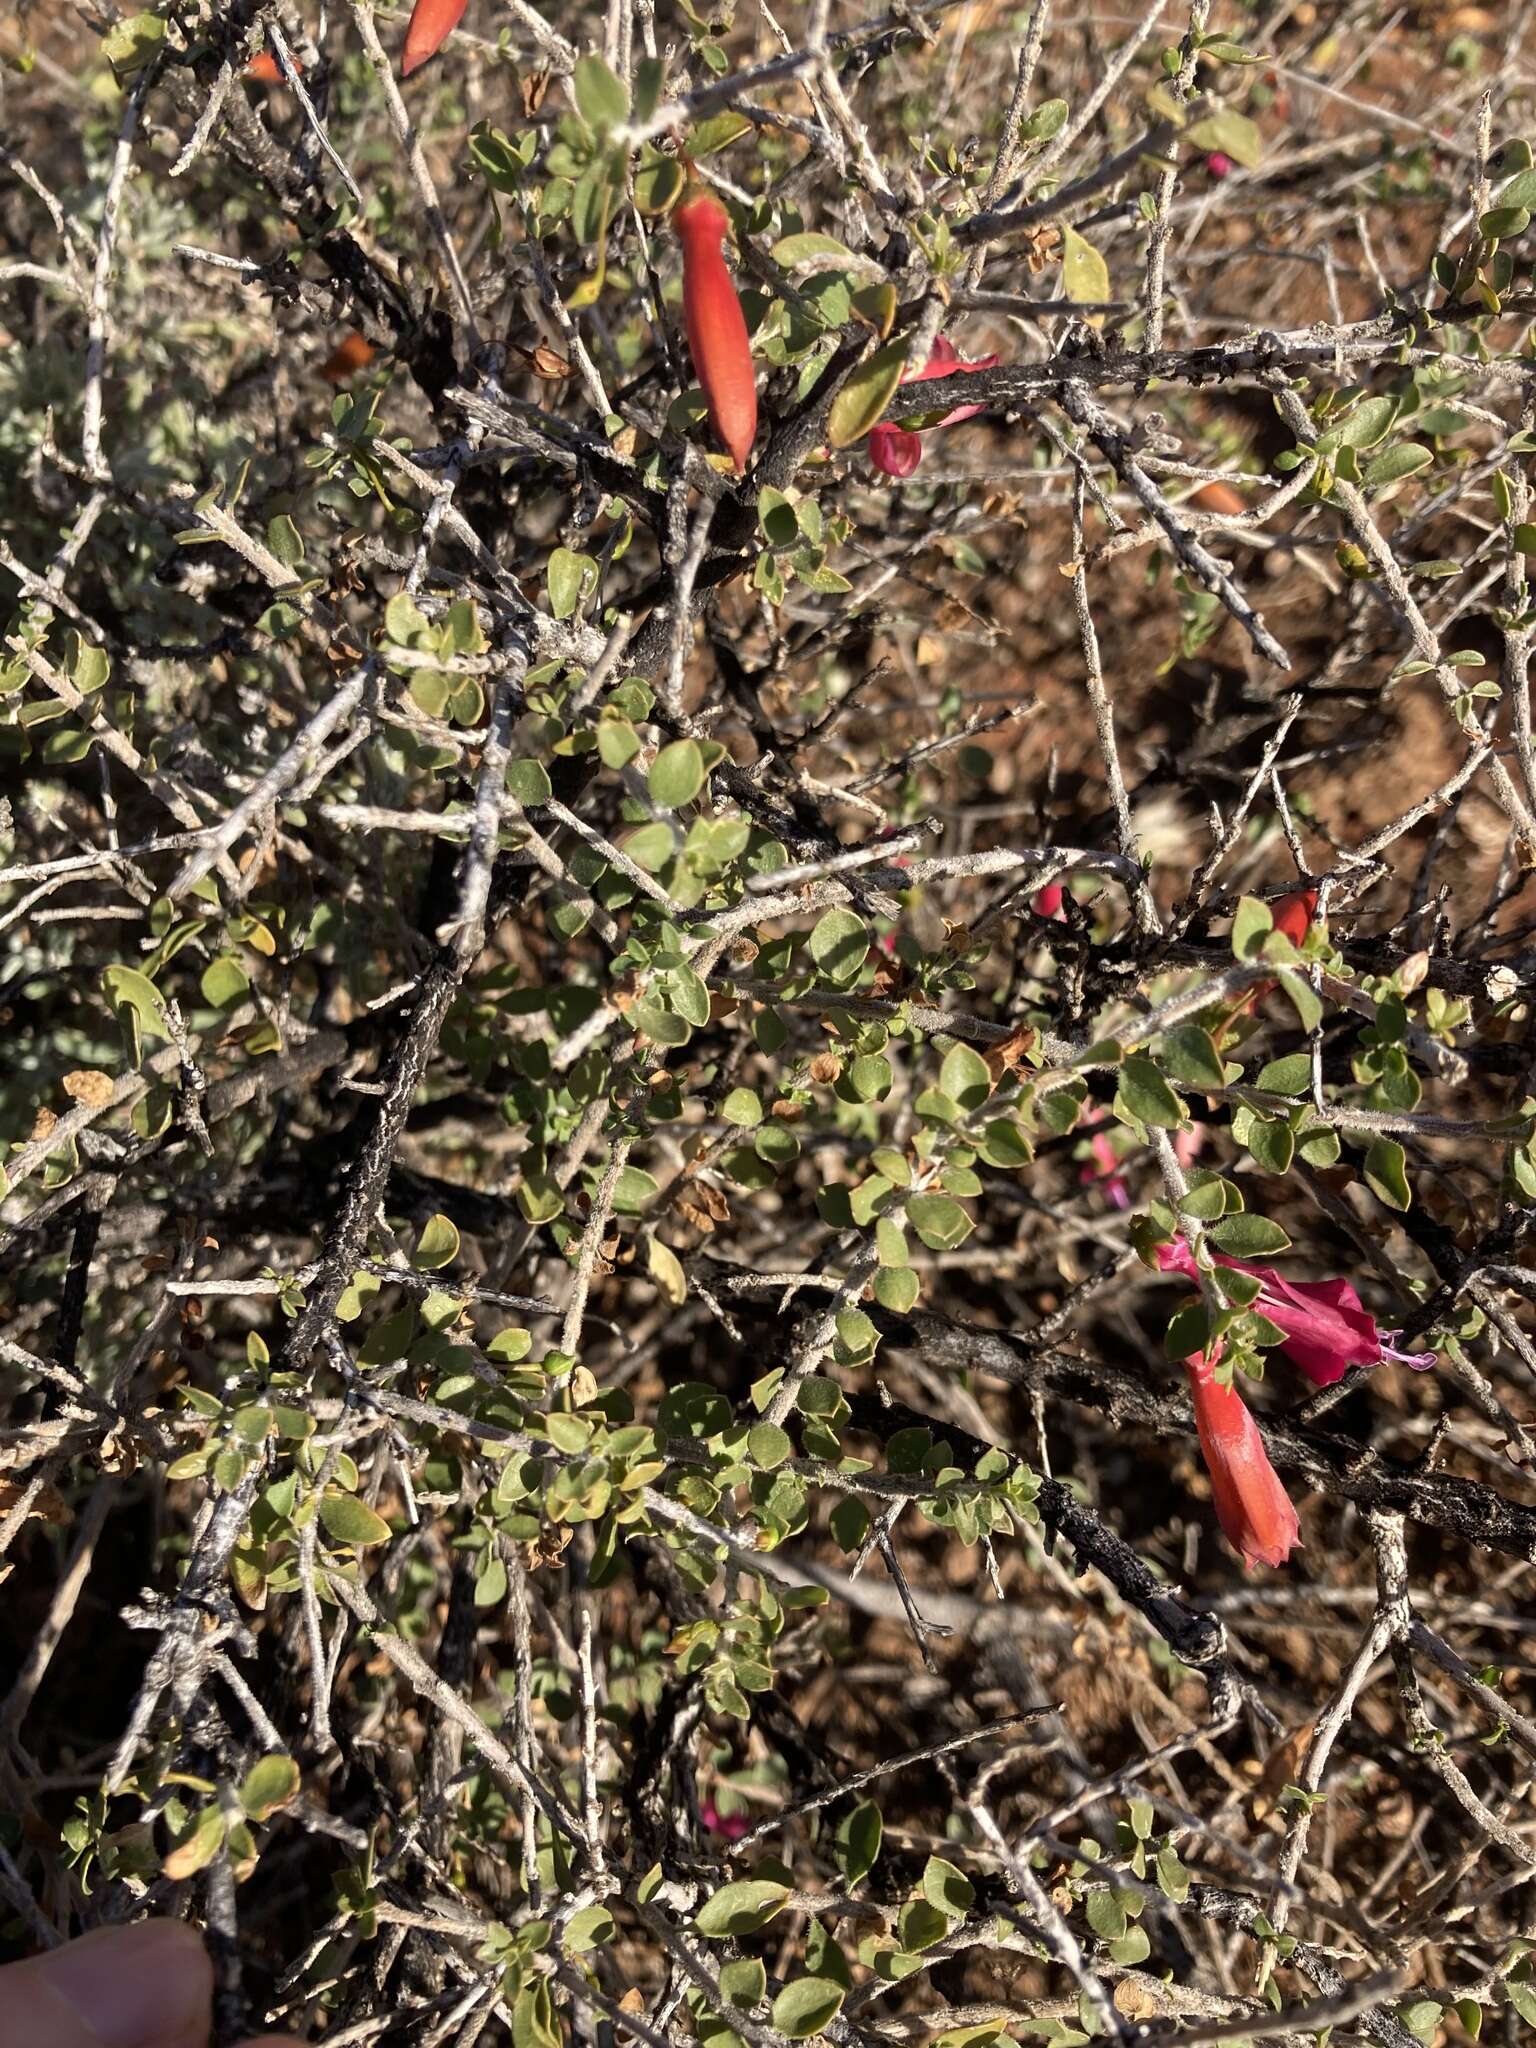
pixel 666 1101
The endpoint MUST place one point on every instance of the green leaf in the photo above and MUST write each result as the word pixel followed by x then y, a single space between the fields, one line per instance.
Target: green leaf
pixel 1272 1143
pixel 1503 223
pixel 1188 1331
pixel 1084 273
pixel 1045 123
pixel 743 1908
pixel 1385 1173
pixel 1146 1095
pixel 947 1888
pixel 857 1842
pixel 839 944
pixel 534 2024
pixel 1302 997
pixel 676 775
pixel 744 1983
pixel 590 1928
pixel 717 133
pixel 601 98
pixel 1251 925
pixel 1421 2016
pixel 528 781
pixel 269 1784
pixel 920 1926
pixel 1005 1145
pixel 403 623
pixel 566 580
pixel 1394 463
pixel 862 401
pixel 127 989
pixel 351 1520
pixel 964 1077
pixel 825 250
pixel 438 1244
pixel 806 2006
pixel 869 1076
pixel 634 1190
pixel 1189 1054
pixel 659 182
pixel 1233 134
pixel 1106 1915
pixel 285 541
pixel 768 1446
pixel 1133 1947
pixel 1291 1075
pixel 491 1579
pixel 1246 1236
pixel 849 1523
pixel 652 846
pixel 128 46
pixel 196 1847
pixel 743 1106
pixel 939 1221
pixel 224 982
pixel 897 1288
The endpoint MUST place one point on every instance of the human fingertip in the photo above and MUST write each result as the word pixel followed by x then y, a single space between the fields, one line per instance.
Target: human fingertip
pixel 147 1985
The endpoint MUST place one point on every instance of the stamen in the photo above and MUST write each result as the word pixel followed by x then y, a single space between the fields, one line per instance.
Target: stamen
pixel 1421 1361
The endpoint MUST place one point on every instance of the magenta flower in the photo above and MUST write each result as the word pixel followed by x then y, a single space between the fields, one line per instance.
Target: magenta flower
pixel 732 1825
pixel 1187 1144
pixel 1047 901
pixel 1218 164
pixel 1104 1168
pixel 1327 1327
pixel 898 450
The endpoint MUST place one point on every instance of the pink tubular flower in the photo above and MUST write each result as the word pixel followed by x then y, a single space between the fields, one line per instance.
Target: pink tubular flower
pixel 1104 1168
pixel 1187 1143
pixel 1254 1509
pixel 898 450
pixel 731 1825
pixel 1047 901
pixel 1327 1327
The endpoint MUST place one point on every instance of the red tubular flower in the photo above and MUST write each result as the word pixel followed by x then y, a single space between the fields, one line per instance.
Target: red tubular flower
pixel 1047 901
pixel 898 450
pixel 432 23
pixel 1254 1509
pixel 266 70
pixel 717 328
pixel 1293 914
pixel 1327 1327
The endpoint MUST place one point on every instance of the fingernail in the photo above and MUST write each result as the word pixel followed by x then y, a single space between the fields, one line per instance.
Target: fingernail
pixel 145 1986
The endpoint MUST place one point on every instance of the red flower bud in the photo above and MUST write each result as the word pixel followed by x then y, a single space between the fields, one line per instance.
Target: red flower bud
pixel 717 329
pixel 1254 1509
pixel 352 353
pixel 265 69
pixel 432 23
pixel 1292 915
